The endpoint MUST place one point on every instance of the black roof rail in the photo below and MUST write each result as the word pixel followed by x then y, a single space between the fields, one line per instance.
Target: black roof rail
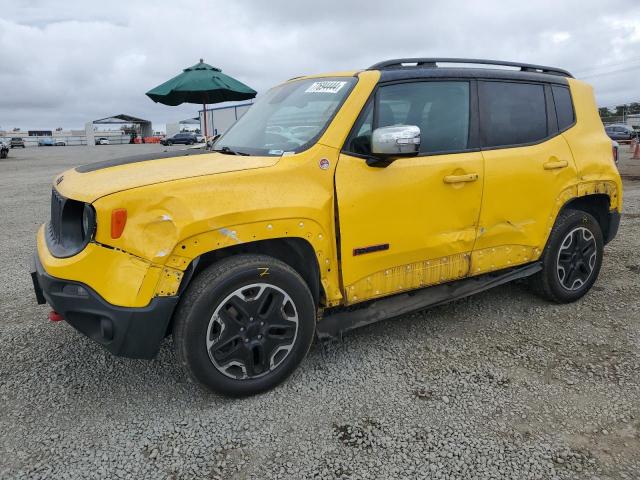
pixel 432 63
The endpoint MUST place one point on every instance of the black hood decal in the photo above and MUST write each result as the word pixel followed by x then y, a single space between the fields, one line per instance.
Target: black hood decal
pixel 92 167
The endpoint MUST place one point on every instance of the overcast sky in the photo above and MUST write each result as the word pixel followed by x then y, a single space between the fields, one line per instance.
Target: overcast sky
pixel 64 63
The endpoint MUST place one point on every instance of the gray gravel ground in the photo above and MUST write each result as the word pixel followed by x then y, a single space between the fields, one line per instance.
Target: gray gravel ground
pixel 498 386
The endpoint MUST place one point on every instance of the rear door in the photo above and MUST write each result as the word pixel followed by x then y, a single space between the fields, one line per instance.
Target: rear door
pixel 413 222
pixel 528 167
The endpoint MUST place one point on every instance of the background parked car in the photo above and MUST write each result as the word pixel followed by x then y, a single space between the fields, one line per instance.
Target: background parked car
pixel 102 141
pixel 60 143
pixel 16 142
pixel 620 132
pixel 4 149
pixel 184 138
pixel 46 142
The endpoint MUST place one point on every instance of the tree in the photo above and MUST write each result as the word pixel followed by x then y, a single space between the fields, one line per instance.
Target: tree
pixel 604 112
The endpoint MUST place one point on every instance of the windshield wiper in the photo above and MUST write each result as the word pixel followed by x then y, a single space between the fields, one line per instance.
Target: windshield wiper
pixel 228 151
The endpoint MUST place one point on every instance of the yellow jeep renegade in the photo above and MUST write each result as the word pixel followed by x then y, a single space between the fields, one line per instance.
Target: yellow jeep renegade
pixel 409 184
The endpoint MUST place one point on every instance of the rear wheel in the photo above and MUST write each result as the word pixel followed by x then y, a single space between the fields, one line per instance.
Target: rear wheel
pixel 572 258
pixel 244 325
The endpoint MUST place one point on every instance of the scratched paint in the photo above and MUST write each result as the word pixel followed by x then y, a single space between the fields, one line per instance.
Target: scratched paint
pixel 232 234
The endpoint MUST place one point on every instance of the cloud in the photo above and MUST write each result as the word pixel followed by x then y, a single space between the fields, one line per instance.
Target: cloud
pixel 64 63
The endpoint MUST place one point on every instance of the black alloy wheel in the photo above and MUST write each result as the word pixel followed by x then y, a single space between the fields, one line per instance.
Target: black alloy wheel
pixel 576 258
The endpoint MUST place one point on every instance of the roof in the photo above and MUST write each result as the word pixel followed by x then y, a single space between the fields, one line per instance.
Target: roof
pixel 121 118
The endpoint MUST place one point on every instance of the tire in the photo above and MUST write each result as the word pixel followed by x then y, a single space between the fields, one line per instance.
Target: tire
pixel 169 144
pixel 572 257
pixel 267 312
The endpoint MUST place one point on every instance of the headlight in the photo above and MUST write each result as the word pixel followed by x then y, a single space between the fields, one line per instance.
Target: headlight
pixel 88 222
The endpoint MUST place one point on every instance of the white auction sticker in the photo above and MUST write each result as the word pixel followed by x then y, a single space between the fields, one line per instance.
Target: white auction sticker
pixel 327 86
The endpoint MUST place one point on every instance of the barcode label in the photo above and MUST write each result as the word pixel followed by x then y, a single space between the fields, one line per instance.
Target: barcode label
pixel 325 87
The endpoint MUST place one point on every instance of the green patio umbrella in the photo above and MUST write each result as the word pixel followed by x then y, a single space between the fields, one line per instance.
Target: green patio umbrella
pixel 201 84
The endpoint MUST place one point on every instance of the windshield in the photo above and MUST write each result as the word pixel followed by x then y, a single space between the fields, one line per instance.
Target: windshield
pixel 288 118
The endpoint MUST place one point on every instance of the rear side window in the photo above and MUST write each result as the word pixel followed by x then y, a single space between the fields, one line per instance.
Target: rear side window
pixel 564 107
pixel 512 113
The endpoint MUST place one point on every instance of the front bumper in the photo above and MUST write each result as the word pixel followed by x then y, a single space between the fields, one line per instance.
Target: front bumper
pixel 123 331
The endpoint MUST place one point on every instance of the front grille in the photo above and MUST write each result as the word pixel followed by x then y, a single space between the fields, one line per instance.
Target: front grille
pixel 55 223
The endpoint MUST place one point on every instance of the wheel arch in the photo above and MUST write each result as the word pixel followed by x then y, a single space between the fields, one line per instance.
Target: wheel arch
pixel 294 251
pixel 597 205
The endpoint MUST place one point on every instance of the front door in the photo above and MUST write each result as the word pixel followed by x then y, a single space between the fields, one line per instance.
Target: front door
pixel 412 223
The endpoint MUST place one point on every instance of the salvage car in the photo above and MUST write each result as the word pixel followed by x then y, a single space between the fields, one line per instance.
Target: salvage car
pixel 336 201
pixel 16 142
pixel 620 132
pixel 185 138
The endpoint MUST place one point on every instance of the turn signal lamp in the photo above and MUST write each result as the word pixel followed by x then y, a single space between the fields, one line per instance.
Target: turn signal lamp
pixel 118 221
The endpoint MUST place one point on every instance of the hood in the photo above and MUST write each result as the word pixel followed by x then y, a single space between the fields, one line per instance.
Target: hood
pixel 89 182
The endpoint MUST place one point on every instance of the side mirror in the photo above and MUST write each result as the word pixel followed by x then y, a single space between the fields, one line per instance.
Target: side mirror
pixel 397 140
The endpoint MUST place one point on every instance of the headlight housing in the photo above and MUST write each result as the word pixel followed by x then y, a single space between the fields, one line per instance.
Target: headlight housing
pixel 72 226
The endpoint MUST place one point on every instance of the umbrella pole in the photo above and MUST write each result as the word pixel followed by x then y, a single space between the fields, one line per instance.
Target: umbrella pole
pixel 204 107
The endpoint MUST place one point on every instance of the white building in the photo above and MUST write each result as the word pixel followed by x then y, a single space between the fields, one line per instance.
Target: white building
pixel 219 119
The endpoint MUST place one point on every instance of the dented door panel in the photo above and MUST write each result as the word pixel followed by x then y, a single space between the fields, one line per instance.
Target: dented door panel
pixel 520 197
pixel 427 224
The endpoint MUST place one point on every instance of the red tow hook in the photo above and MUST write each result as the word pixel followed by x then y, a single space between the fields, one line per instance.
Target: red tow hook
pixel 55 316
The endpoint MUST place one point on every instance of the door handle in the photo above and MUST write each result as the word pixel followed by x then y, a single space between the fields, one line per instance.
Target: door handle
pixel 554 164
pixel 469 177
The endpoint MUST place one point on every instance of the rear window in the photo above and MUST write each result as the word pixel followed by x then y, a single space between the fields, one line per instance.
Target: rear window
pixel 512 113
pixel 564 107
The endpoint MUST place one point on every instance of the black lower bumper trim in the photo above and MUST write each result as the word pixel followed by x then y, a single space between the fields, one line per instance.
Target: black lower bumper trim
pixel 125 332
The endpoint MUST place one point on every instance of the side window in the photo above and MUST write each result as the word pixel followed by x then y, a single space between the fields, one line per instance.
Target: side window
pixel 564 107
pixel 359 140
pixel 440 109
pixel 512 113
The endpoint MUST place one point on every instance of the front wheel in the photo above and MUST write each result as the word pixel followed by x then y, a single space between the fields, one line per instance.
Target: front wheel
pixel 572 258
pixel 244 324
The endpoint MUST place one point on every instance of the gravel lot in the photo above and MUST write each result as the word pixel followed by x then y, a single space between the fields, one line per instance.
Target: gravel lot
pixel 501 385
